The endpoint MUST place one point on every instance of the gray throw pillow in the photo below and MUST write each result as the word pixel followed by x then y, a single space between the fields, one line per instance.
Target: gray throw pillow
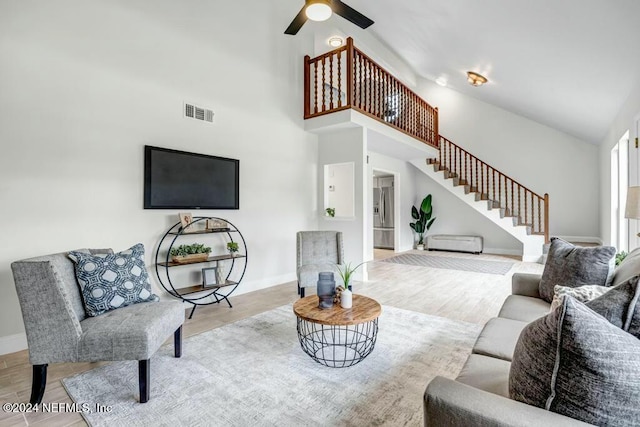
pixel 575 363
pixel 620 306
pixel 110 281
pixel 569 265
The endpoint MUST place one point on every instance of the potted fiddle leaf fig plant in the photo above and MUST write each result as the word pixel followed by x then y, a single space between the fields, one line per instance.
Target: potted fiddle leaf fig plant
pixel 423 220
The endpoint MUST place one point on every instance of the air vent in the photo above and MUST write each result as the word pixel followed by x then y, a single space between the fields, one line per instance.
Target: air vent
pixel 198 113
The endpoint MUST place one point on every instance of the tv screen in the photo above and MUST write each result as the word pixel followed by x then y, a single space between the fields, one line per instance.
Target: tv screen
pixel 180 180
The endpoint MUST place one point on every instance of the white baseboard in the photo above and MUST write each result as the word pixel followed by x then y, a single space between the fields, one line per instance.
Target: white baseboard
pixel 500 251
pixel 13 343
pixel 582 239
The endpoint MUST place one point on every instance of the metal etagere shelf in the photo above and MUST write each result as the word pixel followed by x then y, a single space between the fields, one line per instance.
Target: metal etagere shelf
pixel 201 294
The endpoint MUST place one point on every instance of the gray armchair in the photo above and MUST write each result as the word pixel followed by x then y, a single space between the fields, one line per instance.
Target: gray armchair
pixel 58 329
pixel 317 251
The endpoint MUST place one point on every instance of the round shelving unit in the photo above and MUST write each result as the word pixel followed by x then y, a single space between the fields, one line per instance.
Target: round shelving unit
pixel 206 292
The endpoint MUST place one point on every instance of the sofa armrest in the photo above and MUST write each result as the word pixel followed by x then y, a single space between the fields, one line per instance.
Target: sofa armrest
pixel 450 403
pixel 526 284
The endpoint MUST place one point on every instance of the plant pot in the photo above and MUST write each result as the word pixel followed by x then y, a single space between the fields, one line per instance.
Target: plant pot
pixel 233 254
pixel 420 247
pixel 346 299
pixel 188 259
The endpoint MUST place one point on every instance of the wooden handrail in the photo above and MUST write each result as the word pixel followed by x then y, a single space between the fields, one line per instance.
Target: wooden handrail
pixel 501 191
pixel 370 89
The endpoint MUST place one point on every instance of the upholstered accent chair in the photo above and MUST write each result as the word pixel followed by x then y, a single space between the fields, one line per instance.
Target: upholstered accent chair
pixel 58 330
pixel 317 251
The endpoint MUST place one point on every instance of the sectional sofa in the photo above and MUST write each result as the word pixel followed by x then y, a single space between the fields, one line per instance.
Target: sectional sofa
pixel 479 396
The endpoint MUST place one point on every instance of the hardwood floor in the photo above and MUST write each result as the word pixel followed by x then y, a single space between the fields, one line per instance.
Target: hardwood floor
pixel 459 295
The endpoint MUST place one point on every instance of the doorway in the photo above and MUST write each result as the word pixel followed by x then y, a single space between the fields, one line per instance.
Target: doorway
pixel 384 213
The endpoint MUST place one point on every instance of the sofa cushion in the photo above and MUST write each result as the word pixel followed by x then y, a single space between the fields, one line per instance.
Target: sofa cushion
pixel 486 373
pixel 498 338
pixel 110 281
pixel 581 293
pixel 524 309
pixel 569 265
pixel 576 363
pixel 620 306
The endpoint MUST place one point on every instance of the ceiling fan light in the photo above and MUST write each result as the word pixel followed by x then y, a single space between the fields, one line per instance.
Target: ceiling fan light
pixel 476 79
pixel 318 11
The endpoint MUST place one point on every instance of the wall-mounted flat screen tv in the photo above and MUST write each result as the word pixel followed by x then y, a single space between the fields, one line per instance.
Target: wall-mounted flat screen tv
pixel 180 180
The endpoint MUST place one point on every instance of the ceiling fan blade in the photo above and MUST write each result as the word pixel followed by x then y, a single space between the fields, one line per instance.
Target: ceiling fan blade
pixel 350 14
pixel 297 23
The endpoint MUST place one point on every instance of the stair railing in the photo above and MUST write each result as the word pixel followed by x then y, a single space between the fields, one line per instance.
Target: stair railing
pixel 503 192
pixel 347 78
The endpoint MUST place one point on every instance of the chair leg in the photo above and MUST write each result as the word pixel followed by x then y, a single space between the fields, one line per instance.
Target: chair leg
pixel 38 383
pixel 301 292
pixel 177 342
pixel 144 373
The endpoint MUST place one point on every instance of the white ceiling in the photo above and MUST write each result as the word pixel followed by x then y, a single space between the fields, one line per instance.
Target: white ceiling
pixel 569 64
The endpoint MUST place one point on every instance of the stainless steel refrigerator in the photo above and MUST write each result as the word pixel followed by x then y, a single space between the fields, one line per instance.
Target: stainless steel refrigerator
pixel 383 231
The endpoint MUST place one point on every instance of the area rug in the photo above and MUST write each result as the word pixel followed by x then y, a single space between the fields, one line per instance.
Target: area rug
pixel 450 263
pixel 254 373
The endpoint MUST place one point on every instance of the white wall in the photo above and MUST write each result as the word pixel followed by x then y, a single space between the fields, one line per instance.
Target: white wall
pixel 348 145
pixel 85 85
pixel 539 157
pixel 625 120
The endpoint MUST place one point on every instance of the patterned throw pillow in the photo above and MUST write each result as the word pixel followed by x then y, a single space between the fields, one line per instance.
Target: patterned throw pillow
pixel 582 293
pixel 569 265
pixel 110 281
pixel 575 363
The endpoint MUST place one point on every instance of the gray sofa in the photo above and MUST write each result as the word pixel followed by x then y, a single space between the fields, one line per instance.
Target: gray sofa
pixel 479 396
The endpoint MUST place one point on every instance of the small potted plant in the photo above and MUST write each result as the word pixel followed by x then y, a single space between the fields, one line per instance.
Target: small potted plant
pixel 331 212
pixel 185 254
pixel 232 247
pixel 423 220
pixel 346 272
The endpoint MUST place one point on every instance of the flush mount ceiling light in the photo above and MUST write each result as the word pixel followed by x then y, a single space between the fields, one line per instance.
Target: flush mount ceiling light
pixel 318 10
pixel 441 81
pixel 336 41
pixel 476 79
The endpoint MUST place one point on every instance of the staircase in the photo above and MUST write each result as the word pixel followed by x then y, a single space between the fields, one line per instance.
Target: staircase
pixel 513 207
pixel 346 78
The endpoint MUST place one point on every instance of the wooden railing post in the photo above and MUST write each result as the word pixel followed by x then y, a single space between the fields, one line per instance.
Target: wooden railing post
pixel 350 76
pixel 546 217
pixel 307 87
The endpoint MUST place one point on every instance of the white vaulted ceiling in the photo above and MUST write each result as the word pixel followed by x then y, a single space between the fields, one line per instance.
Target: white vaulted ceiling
pixel 569 64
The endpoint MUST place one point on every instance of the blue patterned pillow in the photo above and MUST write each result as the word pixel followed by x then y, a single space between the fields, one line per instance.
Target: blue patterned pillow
pixel 110 281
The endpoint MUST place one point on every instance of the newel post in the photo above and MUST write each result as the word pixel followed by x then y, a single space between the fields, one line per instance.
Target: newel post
pixel 435 127
pixel 307 87
pixel 350 76
pixel 546 217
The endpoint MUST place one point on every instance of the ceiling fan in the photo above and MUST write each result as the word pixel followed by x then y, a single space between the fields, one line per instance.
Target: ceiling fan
pixel 321 10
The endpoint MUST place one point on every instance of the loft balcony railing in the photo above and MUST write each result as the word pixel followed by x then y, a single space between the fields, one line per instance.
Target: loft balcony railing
pixel 347 78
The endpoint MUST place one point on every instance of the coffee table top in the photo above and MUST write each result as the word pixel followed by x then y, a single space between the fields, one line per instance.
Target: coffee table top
pixel 364 309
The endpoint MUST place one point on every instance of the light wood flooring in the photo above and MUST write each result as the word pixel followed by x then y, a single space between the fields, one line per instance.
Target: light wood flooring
pixel 460 295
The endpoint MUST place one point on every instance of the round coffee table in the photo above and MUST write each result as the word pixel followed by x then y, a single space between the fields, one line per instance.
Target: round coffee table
pixel 337 337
